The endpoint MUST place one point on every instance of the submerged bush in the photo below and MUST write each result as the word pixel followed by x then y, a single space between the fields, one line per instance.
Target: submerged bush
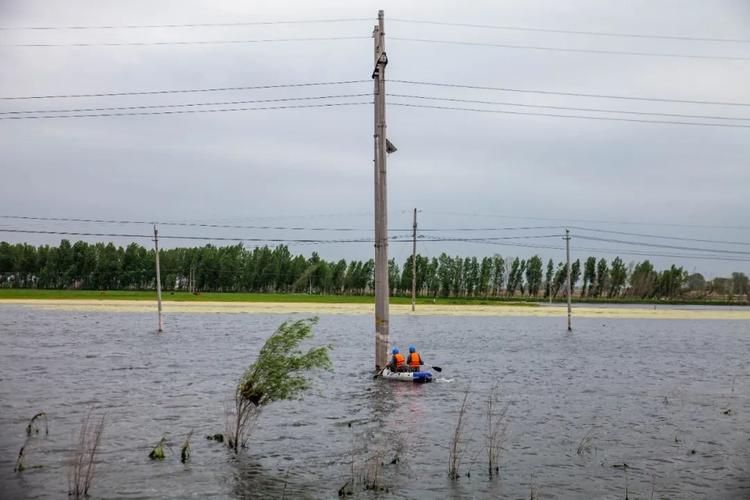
pixel 158 452
pixel 277 374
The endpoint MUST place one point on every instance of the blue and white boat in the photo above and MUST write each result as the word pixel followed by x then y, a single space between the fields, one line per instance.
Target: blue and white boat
pixel 419 377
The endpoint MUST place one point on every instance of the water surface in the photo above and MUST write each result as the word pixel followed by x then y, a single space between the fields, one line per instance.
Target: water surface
pixel 651 394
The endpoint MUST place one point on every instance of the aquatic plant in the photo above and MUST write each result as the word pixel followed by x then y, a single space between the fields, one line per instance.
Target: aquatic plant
pixel 584 445
pixel 496 428
pixel 32 430
pixel 83 462
pixel 277 374
pixel 32 427
pixel 185 449
pixel 455 453
pixel 157 453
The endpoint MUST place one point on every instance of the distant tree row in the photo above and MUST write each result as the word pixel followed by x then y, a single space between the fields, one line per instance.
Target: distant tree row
pixel 101 266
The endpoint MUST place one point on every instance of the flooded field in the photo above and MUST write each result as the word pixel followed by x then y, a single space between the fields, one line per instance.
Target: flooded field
pixel 636 405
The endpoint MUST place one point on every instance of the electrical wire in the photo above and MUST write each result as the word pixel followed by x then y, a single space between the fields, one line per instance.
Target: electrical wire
pixel 187 91
pixel 185 224
pixel 187 25
pixel 185 42
pixel 590 221
pixel 185 111
pixel 567 108
pixel 659 245
pixel 610 251
pixel 723 242
pixel 191 104
pixel 199 238
pixel 580 117
pixel 569 32
pixel 560 49
pixel 568 94
pixel 264 227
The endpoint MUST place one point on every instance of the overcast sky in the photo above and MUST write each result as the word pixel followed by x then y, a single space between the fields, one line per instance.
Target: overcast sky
pixel 313 167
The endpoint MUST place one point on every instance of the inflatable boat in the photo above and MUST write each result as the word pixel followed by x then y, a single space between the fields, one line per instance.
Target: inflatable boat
pixel 407 376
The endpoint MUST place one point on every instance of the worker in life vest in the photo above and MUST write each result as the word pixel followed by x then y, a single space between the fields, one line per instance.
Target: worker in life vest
pixel 398 361
pixel 414 360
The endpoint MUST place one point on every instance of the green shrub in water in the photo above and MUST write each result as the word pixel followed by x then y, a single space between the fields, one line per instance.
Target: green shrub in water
pixel 279 373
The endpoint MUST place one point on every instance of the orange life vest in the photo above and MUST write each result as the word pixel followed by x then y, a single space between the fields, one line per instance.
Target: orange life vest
pixel 399 359
pixel 415 361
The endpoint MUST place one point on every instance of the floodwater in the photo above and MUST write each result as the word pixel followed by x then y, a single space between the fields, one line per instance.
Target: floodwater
pixel 669 398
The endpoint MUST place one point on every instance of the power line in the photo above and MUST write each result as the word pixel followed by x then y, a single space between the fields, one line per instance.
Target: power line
pixel 659 245
pixel 186 25
pixel 185 42
pixel 580 117
pixel 184 224
pixel 560 49
pixel 598 110
pixel 186 111
pixel 358 19
pixel 569 94
pixel 724 242
pixel 610 251
pixel 492 241
pixel 188 91
pixel 199 238
pixel 192 104
pixel 491 238
pixel 570 32
pixel 254 227
pixel 590 221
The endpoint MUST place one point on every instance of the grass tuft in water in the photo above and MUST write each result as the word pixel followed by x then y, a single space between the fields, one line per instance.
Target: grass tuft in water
pixel 83 462
pixel 456 449
pixel 185 449
pixel 496 429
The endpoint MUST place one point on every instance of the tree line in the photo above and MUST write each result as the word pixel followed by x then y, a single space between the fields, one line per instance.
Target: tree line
pixel 234 268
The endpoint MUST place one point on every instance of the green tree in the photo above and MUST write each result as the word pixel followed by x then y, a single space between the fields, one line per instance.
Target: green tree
pixel 602 277
pixel 589 275
pixel 617 277
pixel 548 278
pixel 643 280
pixel 279 373
pixel 534 275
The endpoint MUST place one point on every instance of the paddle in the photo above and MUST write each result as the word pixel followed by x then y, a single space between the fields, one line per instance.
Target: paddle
pixel 436 368
pixel 379 373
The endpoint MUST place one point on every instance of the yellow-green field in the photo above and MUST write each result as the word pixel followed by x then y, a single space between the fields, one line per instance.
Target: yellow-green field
pixel 438 309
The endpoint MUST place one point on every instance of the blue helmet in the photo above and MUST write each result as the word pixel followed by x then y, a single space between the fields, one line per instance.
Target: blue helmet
pixel 412 348
pixel 395 350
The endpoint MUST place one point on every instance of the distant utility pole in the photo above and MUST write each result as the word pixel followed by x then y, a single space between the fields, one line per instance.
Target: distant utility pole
pixel 567 258
pixel 414 262
pixel 381 201
pixel 158 279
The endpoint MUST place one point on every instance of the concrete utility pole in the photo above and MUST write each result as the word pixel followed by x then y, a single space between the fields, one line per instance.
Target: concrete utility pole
pixel 568 285
pixel 381 200
pixel 414 263
pixel 158 279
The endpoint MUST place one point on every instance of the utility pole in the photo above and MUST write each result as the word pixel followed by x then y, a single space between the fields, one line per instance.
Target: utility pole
pixel 381 202
pixel 567 258
pixel 158 279
pixel 414 262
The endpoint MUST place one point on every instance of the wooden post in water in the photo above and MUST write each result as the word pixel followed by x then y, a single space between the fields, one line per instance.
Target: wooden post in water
pixel 381 202
pixel 568 284
pixel 414 262
pixel 158 279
